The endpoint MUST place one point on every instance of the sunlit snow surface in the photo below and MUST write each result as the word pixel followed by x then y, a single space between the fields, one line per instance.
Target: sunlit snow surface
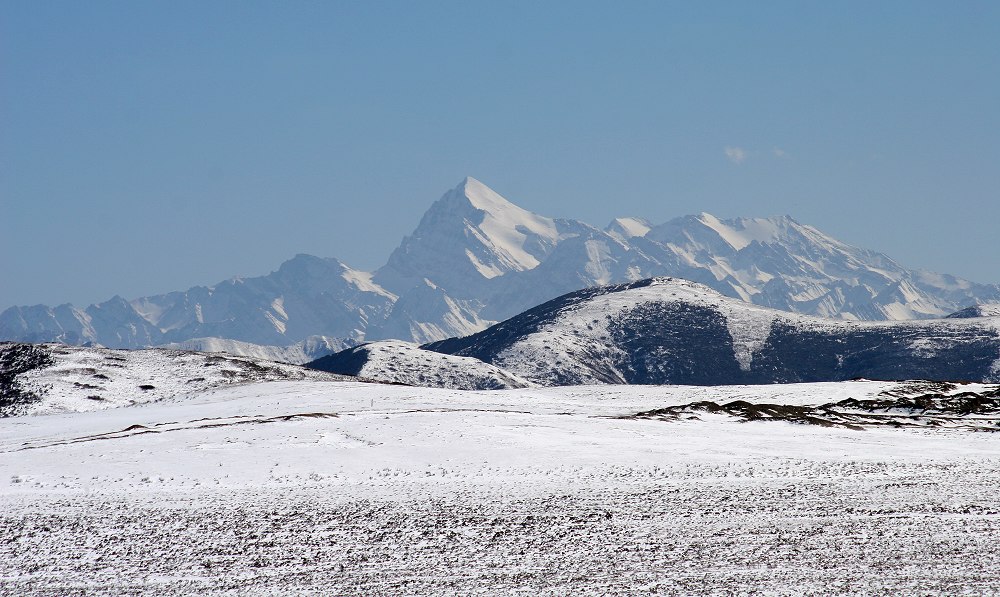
pixel 351 488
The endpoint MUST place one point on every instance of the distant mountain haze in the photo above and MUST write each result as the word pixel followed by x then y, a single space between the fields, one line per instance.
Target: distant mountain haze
pixel 475 259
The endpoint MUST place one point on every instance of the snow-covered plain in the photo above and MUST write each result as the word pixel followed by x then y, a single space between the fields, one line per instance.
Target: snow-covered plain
pixel 334 487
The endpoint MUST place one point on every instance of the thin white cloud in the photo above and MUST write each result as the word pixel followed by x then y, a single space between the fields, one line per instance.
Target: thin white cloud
pixel 735 155
pixel 780 153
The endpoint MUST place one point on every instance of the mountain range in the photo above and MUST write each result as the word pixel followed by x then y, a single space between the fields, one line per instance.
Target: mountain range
pixel 476 259
pixel 673 331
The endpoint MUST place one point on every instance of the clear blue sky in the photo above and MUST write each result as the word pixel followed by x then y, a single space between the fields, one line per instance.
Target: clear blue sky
pixel 148 147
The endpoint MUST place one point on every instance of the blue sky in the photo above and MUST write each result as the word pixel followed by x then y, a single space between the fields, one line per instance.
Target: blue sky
pixel 148 147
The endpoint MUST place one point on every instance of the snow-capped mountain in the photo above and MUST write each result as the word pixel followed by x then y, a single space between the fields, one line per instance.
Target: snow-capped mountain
pixel 306 297
pixel 476 258
pixel 672 331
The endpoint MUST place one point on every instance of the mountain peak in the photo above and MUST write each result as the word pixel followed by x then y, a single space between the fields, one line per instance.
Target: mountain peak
pixel 473 230
pixel 483 197
pixel 740 232
pixel 626 228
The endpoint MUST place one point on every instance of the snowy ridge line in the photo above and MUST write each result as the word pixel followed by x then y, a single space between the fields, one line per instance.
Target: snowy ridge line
pixel 476 258
pixel 749 327
pixel 667 330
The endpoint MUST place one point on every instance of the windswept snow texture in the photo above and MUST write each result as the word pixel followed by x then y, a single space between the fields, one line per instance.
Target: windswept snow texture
pixel 62 378
pixel 666 330
pixel 475 258
pixel 368 489
pixel 393 361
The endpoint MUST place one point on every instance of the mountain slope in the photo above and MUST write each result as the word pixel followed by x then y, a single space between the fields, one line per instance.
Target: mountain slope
pixel 50 378
pixel 674 331
pixel 991 310
pixel 392 361
pixel 306 296
pixel 471 233
pixel 476 258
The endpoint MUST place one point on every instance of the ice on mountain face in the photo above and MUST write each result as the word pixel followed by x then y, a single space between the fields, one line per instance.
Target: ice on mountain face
pixel 901 300
pixel 426 313
pixel 487 271
pixel 278 306
pixel 507 227
pixel 277 314
pixel 740 233
pixel 768 262
pixel 598 265
pixel 469 236
pixel 363 282
pixel 279 325
pixel 626 228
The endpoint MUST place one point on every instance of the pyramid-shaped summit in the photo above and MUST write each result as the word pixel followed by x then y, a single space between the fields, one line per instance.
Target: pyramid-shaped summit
pixel 476 258
pixel 470 235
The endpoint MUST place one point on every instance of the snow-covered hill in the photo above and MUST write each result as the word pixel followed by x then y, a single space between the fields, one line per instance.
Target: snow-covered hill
pixel 988 310
pixel 476 258
pixel 667 330
pixel 53 378
pixel 394 361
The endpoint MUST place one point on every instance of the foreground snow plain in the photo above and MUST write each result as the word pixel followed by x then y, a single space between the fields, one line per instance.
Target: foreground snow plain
pixel 353 488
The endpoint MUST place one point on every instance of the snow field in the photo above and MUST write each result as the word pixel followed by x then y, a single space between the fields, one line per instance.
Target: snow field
pixel 351 488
